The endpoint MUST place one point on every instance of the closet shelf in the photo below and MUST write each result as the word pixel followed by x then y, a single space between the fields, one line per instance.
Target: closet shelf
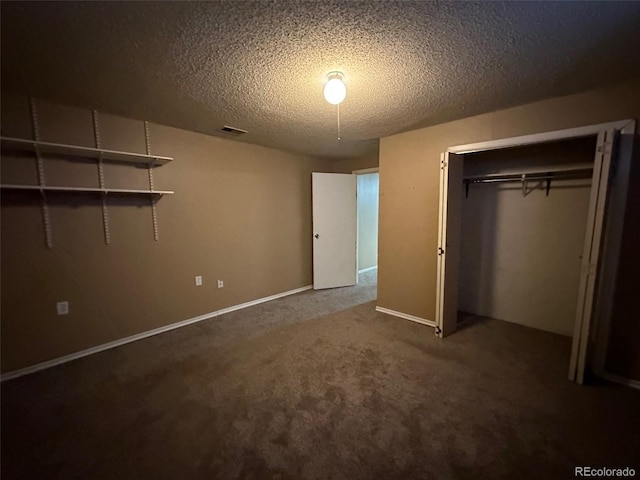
pixel 87 190
pixel 84 152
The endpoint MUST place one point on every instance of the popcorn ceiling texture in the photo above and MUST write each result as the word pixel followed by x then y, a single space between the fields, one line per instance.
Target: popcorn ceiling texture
pixel 260 66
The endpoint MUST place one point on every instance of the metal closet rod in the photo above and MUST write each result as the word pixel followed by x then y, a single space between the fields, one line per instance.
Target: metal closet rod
pixel 529 175
pixel 529 178
pixel 532 175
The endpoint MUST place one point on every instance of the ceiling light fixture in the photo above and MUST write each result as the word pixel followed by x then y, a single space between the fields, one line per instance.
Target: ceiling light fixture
pixel 335 89
pixel 335 92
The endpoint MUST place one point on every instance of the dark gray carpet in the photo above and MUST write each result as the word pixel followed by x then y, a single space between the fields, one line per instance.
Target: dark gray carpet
pixel 318 385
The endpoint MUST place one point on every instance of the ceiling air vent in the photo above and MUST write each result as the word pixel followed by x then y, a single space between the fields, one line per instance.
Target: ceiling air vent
pixel 233 131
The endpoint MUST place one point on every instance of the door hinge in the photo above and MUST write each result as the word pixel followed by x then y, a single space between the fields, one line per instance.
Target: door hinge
pixel 438 330
pixel 440 251
pixel 606 147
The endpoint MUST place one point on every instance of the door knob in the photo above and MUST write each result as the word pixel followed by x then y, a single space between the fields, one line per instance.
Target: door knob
pixel 317 235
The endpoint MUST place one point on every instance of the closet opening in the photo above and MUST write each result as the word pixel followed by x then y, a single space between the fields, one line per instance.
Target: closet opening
pixel 530 232
pixel 523 220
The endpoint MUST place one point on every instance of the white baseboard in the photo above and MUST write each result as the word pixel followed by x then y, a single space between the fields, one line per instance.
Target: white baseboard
pixel 139 336
pixel 620 380
pixel 406 316
pixel 368 269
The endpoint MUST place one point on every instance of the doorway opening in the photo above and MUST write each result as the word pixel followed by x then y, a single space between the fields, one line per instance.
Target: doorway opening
pixel 345 229
pixel 368 193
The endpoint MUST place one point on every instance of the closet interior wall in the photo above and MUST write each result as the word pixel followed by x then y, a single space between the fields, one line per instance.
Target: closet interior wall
pixel 521 251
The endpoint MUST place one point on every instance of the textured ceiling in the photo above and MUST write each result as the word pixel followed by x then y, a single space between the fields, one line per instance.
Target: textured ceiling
pixel 260 66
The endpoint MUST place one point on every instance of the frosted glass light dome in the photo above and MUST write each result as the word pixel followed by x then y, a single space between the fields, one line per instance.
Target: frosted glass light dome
pixel 335 90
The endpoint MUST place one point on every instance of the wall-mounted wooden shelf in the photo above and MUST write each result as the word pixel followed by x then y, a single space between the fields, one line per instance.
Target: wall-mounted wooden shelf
pixel 87 190
pixel 47 148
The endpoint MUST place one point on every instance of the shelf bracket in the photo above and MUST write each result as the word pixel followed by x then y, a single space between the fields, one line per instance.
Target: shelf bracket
pixel 46 221
pixel 524 185
pixel 40 169
pixel 154 215
pixel 549 183
pixel 105 209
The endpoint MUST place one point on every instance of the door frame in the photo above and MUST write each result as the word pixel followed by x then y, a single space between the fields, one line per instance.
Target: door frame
pixel 610 247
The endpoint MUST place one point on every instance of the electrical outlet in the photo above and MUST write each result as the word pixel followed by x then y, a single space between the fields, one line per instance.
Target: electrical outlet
pixel 62 308
pixel 220 283
pixel 198 280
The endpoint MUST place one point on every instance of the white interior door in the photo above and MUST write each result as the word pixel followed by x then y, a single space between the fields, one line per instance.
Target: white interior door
pixel 591 253
pixel 448 243
pixel 334 229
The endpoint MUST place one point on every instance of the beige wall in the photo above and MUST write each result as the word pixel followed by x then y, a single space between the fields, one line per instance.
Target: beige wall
pixel 241 213
pixel 409 185
pixel 368 220
pixel 358 163
pixel 520 256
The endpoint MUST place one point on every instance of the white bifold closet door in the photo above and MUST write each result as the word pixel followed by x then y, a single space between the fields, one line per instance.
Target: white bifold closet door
pixel 448 243
pixel 591 253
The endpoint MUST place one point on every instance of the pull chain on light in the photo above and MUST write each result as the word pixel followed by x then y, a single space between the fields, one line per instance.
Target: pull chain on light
pixel 338 121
